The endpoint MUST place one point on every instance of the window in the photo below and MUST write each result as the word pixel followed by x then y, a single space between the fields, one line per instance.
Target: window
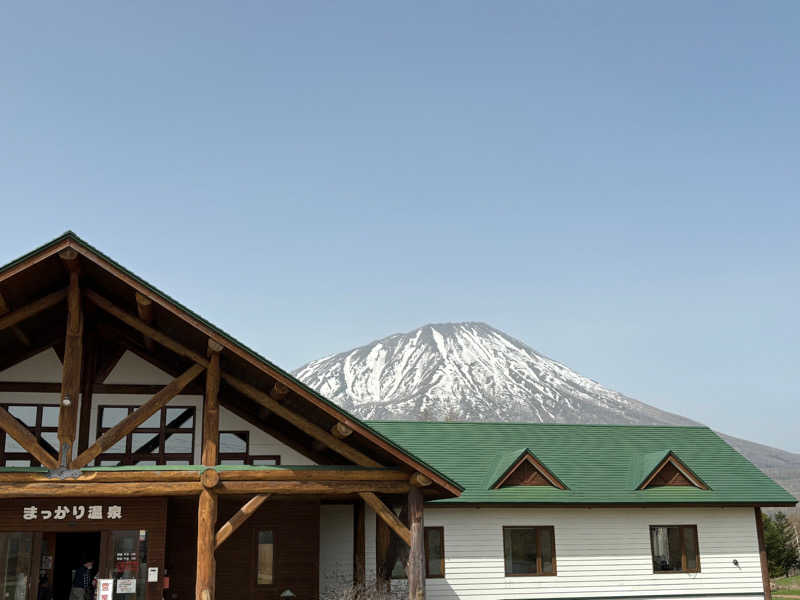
pixel 42 421
pixel 434 552
pixel 265 558
pixel 165 438
pixel 675 548
pixel 434 556
pixel 234 449
pixel 529 551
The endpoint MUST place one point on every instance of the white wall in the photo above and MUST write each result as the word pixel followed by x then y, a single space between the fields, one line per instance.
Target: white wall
pixel 600 553
pixel 335 548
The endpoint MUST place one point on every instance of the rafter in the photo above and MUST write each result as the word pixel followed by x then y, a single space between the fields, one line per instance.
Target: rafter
pixel 4 310
pixel 144 306
pixel 137 417
pixel 29 310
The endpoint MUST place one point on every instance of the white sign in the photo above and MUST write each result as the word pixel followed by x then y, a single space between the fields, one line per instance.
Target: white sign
pixel 105 589
pixel 93 512
pixel 126 586
pixel 152 575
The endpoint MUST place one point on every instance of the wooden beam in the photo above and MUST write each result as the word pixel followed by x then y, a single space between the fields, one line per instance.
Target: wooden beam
pixel 94 490
pixel 91 477
pixel 359 544
pixel 415 569
pixel 300 422
pixel 4 310
pixel 762 553
pixel 239 518
pixel 206 564
pixel 29 310
pixel 242 387
pixel 383 570
pixel 137 417
pixel 419 480
pixel 26 439
pixel 144 306
pixel 71 370
pixel 333 488
pixel 87 389
pixel 387 514
pixel 340 431
pixel 211 408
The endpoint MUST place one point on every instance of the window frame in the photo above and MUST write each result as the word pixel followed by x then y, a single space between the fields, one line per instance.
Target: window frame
pixel 684 559
pixel 538 529
pixel 245 457
pixel 254 568
pixel 425 532
pixel 161 456
pixel 37 430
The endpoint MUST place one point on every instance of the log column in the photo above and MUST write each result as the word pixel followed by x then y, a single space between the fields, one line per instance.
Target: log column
pixel 73 349
pixel 383 574
pixel 206 542
pixel 359 544
pixel 416 555
pixel 211 407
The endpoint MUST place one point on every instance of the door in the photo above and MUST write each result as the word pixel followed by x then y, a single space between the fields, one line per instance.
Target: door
pixel 17 571
pixel 123 558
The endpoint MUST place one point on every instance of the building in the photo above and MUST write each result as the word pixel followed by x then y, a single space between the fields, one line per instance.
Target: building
pixel 136 434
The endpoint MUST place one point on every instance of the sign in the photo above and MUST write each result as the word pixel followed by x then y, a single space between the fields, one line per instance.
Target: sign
pixel 152 575
pixel 105 589
pixel 126 586
pixel 75 512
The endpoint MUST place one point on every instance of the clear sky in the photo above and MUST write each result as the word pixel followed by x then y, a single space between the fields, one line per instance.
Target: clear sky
pixel 614 183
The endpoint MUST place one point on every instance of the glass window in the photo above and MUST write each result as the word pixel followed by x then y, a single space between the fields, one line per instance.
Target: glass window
pixel 25 413
pixel 265 461
pixel 434 552
pixel 167 437
pixel 50 416
pixel 674 548
pixel 529 550
pixel 233 442
pixel 128 562
pixel 265 555
pixel 16 549
pixel 32 416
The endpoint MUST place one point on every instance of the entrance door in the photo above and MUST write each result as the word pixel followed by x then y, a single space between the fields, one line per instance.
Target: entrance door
pixel 16 565
pixel 123 558
pixel 71 550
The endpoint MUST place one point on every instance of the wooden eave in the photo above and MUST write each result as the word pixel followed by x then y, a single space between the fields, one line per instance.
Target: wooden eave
pixel 41 272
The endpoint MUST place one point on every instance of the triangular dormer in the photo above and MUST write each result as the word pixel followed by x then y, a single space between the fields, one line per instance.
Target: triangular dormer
pixel 526 470
pixel 669 471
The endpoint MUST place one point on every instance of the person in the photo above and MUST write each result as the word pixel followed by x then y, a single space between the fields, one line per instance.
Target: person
pixel 82 583
pixel 44 588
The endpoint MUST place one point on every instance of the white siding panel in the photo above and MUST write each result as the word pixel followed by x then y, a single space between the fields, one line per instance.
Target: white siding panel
pixel 335 548
pixel 260 441
pixel 601 553
pixel 43 367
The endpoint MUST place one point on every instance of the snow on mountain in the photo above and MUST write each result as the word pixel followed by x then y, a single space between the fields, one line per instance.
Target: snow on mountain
pixel 474 372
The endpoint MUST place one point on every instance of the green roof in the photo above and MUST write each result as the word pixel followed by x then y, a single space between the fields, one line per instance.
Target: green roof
pixel 599 464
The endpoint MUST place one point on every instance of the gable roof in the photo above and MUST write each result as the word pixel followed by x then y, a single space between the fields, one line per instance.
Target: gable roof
pixel 599 464
pixel 508 462
pixel 41 266
pixel 651 463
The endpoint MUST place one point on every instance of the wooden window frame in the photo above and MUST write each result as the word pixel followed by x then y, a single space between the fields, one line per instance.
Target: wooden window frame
pixel 254 568
pixel 684 559
pixel 161 456
pixel 37 430
pixel 425 532
pixel 538 529
pixel 242 456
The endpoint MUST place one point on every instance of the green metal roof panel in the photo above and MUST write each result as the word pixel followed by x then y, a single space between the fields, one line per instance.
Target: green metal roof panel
pixel 598 463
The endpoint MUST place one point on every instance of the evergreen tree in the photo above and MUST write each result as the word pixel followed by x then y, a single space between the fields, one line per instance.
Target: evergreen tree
pixel 782 554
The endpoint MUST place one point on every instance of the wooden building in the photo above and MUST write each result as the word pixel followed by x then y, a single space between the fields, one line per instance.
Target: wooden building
pixel 136 434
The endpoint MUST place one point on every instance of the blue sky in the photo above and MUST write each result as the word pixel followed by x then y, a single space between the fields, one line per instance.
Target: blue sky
pixel 614 183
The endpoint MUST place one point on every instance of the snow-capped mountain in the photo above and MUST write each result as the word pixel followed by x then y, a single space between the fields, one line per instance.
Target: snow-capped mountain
pixel 474 372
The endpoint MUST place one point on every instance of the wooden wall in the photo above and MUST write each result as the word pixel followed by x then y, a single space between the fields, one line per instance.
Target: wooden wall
pixel 295 525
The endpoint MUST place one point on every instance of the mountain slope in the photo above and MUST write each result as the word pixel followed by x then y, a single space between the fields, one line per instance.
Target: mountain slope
pixel 473 372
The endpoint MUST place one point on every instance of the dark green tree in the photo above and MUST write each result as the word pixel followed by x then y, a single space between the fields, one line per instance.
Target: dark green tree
pixel 779 537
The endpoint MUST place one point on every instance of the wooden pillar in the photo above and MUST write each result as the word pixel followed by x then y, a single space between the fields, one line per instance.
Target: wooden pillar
pixel 383 575
pixel 206 534
pixel 71 374
pixel 359 544
pixel 416 554
pixel 211 407
pixel 762 552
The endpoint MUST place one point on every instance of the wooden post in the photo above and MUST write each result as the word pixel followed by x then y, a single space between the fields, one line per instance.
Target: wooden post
pixel 416 555
pixel 206 532
pixel 762 552
pixel 359 544
pixel 211 407
pixel 71 373
pixel 383 575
